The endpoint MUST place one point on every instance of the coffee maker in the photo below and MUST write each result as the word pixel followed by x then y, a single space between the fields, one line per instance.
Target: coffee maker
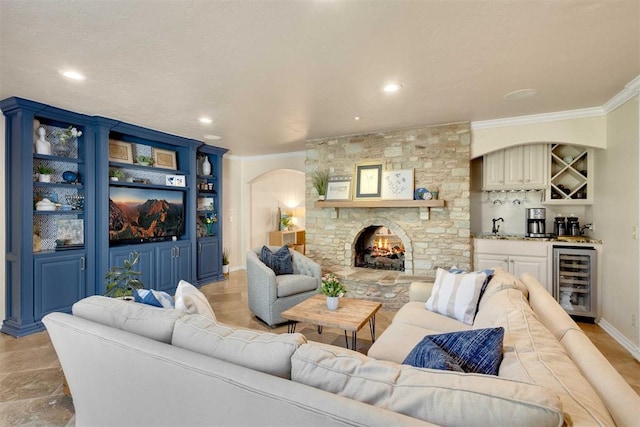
pixel 536 218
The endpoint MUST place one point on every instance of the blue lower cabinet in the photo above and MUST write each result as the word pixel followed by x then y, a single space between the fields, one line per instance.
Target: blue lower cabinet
pixel 209 259
pixel 174 264
pixel 59 282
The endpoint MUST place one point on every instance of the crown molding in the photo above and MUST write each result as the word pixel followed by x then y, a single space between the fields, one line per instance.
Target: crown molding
pixel 630 90
pixel 539 118
pixel 289 155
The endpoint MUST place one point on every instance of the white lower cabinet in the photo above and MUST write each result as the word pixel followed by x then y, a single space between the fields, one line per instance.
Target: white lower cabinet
pixel 516 257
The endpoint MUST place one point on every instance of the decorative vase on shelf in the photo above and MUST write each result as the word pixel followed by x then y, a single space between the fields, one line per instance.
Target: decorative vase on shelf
pixel 333 303
pixel 209 228
pixel 206 167
pixel 44 177
pixel 42 145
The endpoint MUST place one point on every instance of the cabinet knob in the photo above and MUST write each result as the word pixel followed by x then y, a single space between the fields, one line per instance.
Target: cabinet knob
pixel 506 260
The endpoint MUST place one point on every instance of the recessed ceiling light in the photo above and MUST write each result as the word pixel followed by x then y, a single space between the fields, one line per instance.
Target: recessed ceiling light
pixel 205 120
pixel 520 94
pixel 392 87
pixel 73 75
pixel 212 137
pixel 356 118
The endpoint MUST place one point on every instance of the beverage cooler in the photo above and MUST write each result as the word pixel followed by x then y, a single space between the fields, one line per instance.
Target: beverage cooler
pixel 574 280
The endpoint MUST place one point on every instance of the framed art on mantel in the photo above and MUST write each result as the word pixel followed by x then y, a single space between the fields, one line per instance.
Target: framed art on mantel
pixel 397 185
pixel 368 181
pixel 339 188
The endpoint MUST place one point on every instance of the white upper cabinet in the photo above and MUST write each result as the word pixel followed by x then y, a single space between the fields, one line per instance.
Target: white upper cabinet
pixel 517 168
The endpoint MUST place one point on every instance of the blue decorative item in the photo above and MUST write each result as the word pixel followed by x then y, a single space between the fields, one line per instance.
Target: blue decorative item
pixel 421 193
pixel 69 176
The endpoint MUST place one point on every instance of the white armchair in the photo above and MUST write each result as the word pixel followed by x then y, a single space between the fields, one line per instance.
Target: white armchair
pixel 269 295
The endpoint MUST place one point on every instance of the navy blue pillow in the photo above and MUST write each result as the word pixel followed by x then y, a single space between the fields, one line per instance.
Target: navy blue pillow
pixel 280 261
pixel 476 351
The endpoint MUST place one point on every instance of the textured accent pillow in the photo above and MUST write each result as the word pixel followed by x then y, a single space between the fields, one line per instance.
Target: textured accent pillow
pixel 476 351
pixel 154 298
pixel 280 261
pixel 456 295
pixel 190 299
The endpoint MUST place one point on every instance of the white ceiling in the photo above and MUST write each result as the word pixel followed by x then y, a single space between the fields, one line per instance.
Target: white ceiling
pixel 274 73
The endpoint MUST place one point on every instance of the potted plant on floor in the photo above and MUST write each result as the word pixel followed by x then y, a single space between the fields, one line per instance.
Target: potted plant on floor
pixel 225 261
pixel 121 281
pixel 320 181
pixel 333 289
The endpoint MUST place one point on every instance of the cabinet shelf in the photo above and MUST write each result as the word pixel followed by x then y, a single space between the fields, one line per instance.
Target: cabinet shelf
pixel 53 158
pixel 143 185
pixel 58 185
pixel 135 166
pixel 570 181
pixel 72 212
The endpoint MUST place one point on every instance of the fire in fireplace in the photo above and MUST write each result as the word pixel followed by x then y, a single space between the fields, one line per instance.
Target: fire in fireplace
pixel 376 247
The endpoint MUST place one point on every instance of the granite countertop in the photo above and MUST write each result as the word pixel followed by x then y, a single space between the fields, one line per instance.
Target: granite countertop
pixel 521 237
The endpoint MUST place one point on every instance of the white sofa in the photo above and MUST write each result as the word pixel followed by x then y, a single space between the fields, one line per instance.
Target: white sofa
pixel 129 364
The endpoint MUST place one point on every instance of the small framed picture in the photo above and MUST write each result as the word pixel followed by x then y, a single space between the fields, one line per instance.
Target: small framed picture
pixel 164 158
pixel 70 232
pixel 368 180
pixel 176 180
pixel 397 185
pixel 120 152
pixel 339 189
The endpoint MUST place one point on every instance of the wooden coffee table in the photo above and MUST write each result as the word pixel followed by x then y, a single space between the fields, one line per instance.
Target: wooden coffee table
pixel 351 316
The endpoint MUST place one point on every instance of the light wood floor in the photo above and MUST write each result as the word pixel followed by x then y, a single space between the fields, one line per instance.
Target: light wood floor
pixel 31 380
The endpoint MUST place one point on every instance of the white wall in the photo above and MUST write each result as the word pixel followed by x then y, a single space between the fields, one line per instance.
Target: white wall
pixel 3 231
pixel 238 175
pixel 616 215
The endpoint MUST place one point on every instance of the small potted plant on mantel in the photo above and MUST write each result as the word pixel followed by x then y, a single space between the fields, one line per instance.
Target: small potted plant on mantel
pixel 320 181
pixel 121 281
pixel 333 289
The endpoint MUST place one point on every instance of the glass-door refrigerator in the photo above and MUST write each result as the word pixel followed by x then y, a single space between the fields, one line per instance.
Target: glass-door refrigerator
pixel 574 280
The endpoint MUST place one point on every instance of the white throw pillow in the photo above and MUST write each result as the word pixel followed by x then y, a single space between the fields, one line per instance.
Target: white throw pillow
pixel 456 295
pixel 190 299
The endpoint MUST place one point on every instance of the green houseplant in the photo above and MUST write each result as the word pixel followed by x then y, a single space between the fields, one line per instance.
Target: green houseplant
pixel 145 160
pixel 333 289
pixel 225 260
pixel 286 222
pixel 44 173
pixel 121 281
pixel 320 181
pixel 116 174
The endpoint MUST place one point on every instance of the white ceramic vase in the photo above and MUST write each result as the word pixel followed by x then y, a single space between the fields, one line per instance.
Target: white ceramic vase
pixel 225 268
pixel 44 178
pixel 333 303
pixel 206 167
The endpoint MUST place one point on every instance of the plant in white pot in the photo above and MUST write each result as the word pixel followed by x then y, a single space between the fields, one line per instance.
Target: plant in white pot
pixel 44 173
pixel 116 174
pixel 333 289
pixel 225 261
pixel 320 181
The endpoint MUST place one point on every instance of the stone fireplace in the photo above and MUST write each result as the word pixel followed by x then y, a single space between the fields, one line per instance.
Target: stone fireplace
pixel 339 237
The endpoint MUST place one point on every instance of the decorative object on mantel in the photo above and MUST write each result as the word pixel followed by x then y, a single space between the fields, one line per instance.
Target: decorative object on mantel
pixel 397 185
pixel 42 145
pixel 369 180
pixel 44 173
pixel 333 289
pixel 339 188
pixel 320 181
pixel 422 193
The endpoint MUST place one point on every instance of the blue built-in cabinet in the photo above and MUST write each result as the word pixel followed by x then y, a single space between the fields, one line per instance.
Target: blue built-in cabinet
pixel 56 257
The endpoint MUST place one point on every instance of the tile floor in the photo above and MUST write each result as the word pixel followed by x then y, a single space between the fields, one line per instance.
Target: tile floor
pixel 31 380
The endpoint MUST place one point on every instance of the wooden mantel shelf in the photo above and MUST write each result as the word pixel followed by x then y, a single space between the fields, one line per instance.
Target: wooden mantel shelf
pixel 424 205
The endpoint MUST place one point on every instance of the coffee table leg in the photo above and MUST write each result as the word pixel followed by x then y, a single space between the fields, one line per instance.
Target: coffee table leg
pixel 372 327
pixel 319 329
pixel 291 326
pixel 346 340
pixel 353 340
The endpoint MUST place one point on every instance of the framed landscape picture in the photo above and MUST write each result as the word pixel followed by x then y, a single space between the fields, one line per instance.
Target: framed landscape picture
pixel 397 185
pixel 164 158
pixel 120 152
pixel 368 180
pixel 339 189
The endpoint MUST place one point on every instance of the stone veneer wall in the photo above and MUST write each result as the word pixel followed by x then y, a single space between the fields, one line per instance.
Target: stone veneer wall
pixel 439 156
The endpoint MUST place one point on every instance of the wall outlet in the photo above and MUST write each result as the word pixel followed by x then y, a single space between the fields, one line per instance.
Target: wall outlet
pixel 633 321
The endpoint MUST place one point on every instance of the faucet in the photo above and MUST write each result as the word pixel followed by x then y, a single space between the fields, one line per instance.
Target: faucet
pixel 585 227
pixel 496 228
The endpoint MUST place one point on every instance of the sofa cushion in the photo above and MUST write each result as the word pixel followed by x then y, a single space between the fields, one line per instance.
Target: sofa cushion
pixel 262 351
pixel 279 261
pixel 440 397
pixel 477 351
pixel 456 294
pixel 398 340
pixel 154 298
pixel 142 319
pixel 190 299
pixel 292 284
pixel 532 354
pixel 501 280
pixel 415 313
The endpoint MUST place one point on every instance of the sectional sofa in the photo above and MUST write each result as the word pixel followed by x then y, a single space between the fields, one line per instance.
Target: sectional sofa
pixel 132 364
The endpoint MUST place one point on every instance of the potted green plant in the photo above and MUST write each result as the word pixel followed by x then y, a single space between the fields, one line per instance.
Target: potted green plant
pixel 225 261
pixel 121 281
pixel 320 181
pixel 333 289
pixel 44 173
pixel 286 222
pixel 145 160
pixel 116 174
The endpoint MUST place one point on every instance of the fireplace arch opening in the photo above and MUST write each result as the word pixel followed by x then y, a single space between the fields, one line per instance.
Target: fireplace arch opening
pixel 379 248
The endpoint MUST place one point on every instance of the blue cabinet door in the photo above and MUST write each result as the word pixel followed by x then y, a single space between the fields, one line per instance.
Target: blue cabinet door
pixel 145 265
pixel 183 262
pixel 165 279
pixel 209 259
pixel 59 282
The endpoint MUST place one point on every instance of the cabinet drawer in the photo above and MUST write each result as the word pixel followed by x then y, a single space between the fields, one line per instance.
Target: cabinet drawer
pixel 511 247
